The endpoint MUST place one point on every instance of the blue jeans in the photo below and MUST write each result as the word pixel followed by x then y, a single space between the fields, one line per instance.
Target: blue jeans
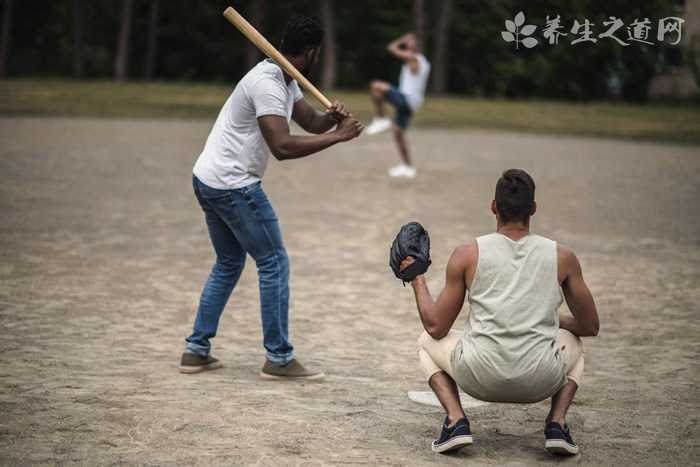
pixel 402 116
pixel 242 221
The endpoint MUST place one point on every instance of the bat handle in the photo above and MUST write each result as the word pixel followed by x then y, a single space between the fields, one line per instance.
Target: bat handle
pixel 321 98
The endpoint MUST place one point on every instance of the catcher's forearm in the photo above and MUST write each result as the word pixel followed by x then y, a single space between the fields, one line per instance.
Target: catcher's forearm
pixel 424 303
pixel 568 321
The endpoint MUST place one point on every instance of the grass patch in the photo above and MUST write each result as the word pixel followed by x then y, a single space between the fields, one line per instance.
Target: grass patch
pixel 656 122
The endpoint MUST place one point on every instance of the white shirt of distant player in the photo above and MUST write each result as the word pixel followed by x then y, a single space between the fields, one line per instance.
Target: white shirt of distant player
pixel 236 153
pixel 412 85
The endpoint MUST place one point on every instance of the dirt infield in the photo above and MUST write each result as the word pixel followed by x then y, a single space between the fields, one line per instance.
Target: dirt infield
pixel 103 252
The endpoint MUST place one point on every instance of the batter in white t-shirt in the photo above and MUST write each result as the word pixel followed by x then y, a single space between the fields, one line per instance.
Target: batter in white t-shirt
pixel 252 124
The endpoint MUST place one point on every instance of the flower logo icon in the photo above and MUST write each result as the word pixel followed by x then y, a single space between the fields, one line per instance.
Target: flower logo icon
pixel 517 31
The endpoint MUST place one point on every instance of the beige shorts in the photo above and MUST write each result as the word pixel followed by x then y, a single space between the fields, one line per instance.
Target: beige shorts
pixel 435 355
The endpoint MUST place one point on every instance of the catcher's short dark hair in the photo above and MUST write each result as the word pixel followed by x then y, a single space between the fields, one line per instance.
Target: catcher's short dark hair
pixel 515 195
pixel 301 33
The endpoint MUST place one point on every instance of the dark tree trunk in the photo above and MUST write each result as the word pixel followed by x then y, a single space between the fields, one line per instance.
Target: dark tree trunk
pixel 121 62
pixel 152 50
pixel 5 37
pixel 441 47
pixel 77 40
pixel 419 22
pixel 329 55
pixel 255 17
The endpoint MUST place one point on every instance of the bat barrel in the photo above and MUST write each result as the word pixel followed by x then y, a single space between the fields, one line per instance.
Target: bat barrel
pixel 268 49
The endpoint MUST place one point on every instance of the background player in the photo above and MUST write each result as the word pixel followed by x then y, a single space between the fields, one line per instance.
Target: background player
pixel 406 99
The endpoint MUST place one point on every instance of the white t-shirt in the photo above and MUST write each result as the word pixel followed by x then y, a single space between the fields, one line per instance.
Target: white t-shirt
pixel 235 154
pixel 412 85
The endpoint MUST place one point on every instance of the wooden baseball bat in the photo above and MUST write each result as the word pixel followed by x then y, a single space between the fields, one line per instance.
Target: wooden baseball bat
pixel 268 49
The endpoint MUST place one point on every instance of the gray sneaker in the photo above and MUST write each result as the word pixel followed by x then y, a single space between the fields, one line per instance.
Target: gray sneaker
pixel 192 363
pixel 291 370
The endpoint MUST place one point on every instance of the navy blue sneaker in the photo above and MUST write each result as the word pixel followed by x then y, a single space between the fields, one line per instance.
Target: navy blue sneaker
pixel 453 438
pixel 557 440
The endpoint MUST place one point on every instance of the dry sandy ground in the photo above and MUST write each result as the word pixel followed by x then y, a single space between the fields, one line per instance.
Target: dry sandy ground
pixel 103 252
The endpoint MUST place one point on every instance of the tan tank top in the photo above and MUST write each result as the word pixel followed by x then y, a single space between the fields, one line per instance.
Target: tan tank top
pixel 508 352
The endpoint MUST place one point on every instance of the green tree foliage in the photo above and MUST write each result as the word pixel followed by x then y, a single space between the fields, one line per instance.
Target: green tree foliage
pixel 482 65
pixel 196 43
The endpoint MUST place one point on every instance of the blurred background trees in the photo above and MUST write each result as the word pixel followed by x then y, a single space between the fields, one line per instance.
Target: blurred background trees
pixel 181 40
pixel 6 26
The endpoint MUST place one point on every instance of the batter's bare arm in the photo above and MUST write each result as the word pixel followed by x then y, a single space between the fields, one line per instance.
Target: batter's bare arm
pixel 317 122
pixel 284 145
pixel 583 320
pixel 438 315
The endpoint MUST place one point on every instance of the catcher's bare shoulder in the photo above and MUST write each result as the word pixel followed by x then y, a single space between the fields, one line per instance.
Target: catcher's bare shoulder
pixel 465 258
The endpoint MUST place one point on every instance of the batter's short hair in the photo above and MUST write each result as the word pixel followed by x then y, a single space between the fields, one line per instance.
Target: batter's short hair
pixel 301 33
pixel 515 196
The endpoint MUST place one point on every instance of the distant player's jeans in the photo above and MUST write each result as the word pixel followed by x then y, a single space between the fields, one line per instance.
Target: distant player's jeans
pixel 403 113
pixel 242 221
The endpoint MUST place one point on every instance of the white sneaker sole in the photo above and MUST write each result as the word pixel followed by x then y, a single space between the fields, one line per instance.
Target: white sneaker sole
pixel 188 370
pixel 402 173
pixel 559 446
pixel 455 443
pixel 379 129
pixel 292 378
